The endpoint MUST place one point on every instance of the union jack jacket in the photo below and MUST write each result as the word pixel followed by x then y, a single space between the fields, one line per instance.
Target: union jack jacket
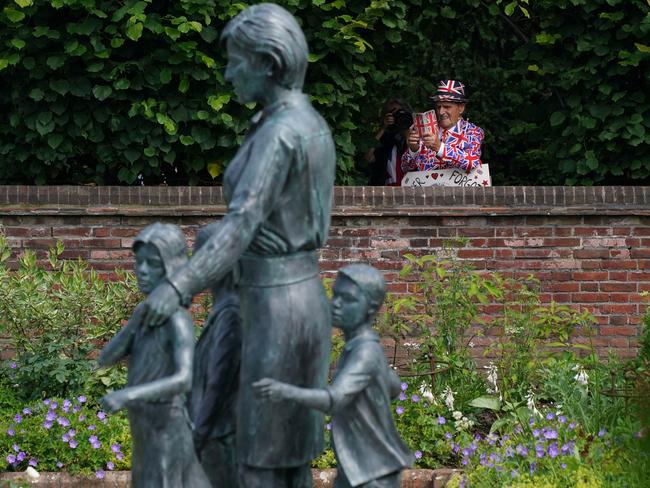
pixel 460 148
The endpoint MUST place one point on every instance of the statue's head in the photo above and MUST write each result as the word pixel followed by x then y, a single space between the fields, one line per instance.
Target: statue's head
pixel 160 250
pixel 270 33
pixel 359 291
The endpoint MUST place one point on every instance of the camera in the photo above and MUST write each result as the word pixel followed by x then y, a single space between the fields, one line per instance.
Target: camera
pixel 403 120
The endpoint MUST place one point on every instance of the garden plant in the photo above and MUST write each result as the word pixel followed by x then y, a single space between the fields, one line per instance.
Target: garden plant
pixel 543 410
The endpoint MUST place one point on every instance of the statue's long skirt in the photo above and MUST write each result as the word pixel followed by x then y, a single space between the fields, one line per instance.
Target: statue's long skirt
pixel 286 336
pixel 162 448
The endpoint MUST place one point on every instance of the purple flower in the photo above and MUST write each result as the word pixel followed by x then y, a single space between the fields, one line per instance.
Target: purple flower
pixel 18 418
pixel 418 454
pixel 441 420
pixel 13 365
pixel 53 405
pixel 50 416
pixel 59 464
pixel 117 448
pixel 21 456
pixel 514 473
pixel 91 427
pixel 11 432
pixel 563 465
pixel 82 417
pixel 328 426
pixel 73 443
pixel 539 451
pixel 33 462
pixel 561 419
pixel 101 415
pixel 403 386
pixel 76 408
pixel 63 422
pixel 448 435
pixel 464 461
pixel 536 433
pixel 509 452
pixel 16 447
pixel 81 399
pixel 550 434
pixel 47 401
pixel 550 416
pixel 65 437
pixel 553 450
pixel 402 396
pixel 566 449
pixel 467 452
pixel 119 456
pixel 602 432
pixel 399 410
pixel 572 425
pixel 532 467
pixel 94 441
pixel 48 424
pixel 415 398
pixel 27 411
pixel 72 432
pixel 11 459
pixel 110 466
pixel 66 405
pixel 531 421
pixel 100 474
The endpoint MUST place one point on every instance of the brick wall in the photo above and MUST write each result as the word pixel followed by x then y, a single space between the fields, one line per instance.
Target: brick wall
pixel 589 246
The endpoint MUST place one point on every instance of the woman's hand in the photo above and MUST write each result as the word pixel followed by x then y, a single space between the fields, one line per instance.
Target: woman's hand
pixel 271 390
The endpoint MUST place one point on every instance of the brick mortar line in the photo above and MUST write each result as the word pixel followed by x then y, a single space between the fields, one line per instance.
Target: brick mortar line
pixel 337 211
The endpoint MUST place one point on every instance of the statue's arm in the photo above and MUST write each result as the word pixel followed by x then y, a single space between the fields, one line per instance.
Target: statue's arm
pixel 268 159
pixel 275 391
pixel 120 345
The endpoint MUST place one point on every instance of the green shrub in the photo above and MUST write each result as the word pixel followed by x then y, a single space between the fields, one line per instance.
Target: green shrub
pixel 60 434
pixel 55 319
pixel 116 92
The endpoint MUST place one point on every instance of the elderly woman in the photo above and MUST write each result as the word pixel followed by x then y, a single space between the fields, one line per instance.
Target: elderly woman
pixel 279 191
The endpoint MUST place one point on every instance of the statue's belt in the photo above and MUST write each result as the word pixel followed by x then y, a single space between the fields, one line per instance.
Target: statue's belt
pixel 266 271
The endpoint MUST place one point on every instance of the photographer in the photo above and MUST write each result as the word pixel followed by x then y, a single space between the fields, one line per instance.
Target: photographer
pixel 384 160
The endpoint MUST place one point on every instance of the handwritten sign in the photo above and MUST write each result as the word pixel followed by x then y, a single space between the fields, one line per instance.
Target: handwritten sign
pixel 449 177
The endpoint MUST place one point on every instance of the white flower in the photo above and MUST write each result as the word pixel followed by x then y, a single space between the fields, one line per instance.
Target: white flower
pixel 471 344
pixel 448 397
pixel 530 402
pixel 426 394
pixel 582 378
pixel 412 345
pixel 492 378
pixel 457 415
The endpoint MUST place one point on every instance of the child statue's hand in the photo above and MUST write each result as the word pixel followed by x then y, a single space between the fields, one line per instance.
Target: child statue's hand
pixel 114 401
pixel 271 390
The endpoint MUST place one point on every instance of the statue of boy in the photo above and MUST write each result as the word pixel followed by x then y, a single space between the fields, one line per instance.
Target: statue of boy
pixel 160 372
pixel 279 192
pixel 368 448
pixel 216 380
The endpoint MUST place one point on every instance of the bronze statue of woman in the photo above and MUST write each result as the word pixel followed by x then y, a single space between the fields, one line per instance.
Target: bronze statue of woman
pixel 279 192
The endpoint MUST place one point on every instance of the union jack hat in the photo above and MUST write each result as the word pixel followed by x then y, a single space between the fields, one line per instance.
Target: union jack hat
pixel 450 91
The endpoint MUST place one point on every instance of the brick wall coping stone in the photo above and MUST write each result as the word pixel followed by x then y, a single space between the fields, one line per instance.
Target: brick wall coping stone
pixel 411 478
pixel 353 201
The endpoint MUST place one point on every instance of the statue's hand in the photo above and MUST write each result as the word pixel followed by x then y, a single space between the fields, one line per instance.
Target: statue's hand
pixel 161 304
pixel 271 390
pixel 114 401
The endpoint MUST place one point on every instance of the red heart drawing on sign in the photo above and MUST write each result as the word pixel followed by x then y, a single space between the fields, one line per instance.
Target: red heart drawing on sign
pixel 434 176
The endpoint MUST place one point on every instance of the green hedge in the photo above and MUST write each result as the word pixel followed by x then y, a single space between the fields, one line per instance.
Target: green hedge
pixel 105 92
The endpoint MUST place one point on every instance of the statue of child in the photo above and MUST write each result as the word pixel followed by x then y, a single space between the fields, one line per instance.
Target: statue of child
pixel 368 448
pixel 216 380
pixel 160 373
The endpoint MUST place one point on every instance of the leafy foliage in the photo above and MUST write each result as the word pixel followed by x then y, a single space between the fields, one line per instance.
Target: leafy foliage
pixel 133 91
pixel 55 319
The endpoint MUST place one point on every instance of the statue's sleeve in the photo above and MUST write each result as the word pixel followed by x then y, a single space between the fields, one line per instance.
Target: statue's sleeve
pixel 356 374
pixel 267 157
